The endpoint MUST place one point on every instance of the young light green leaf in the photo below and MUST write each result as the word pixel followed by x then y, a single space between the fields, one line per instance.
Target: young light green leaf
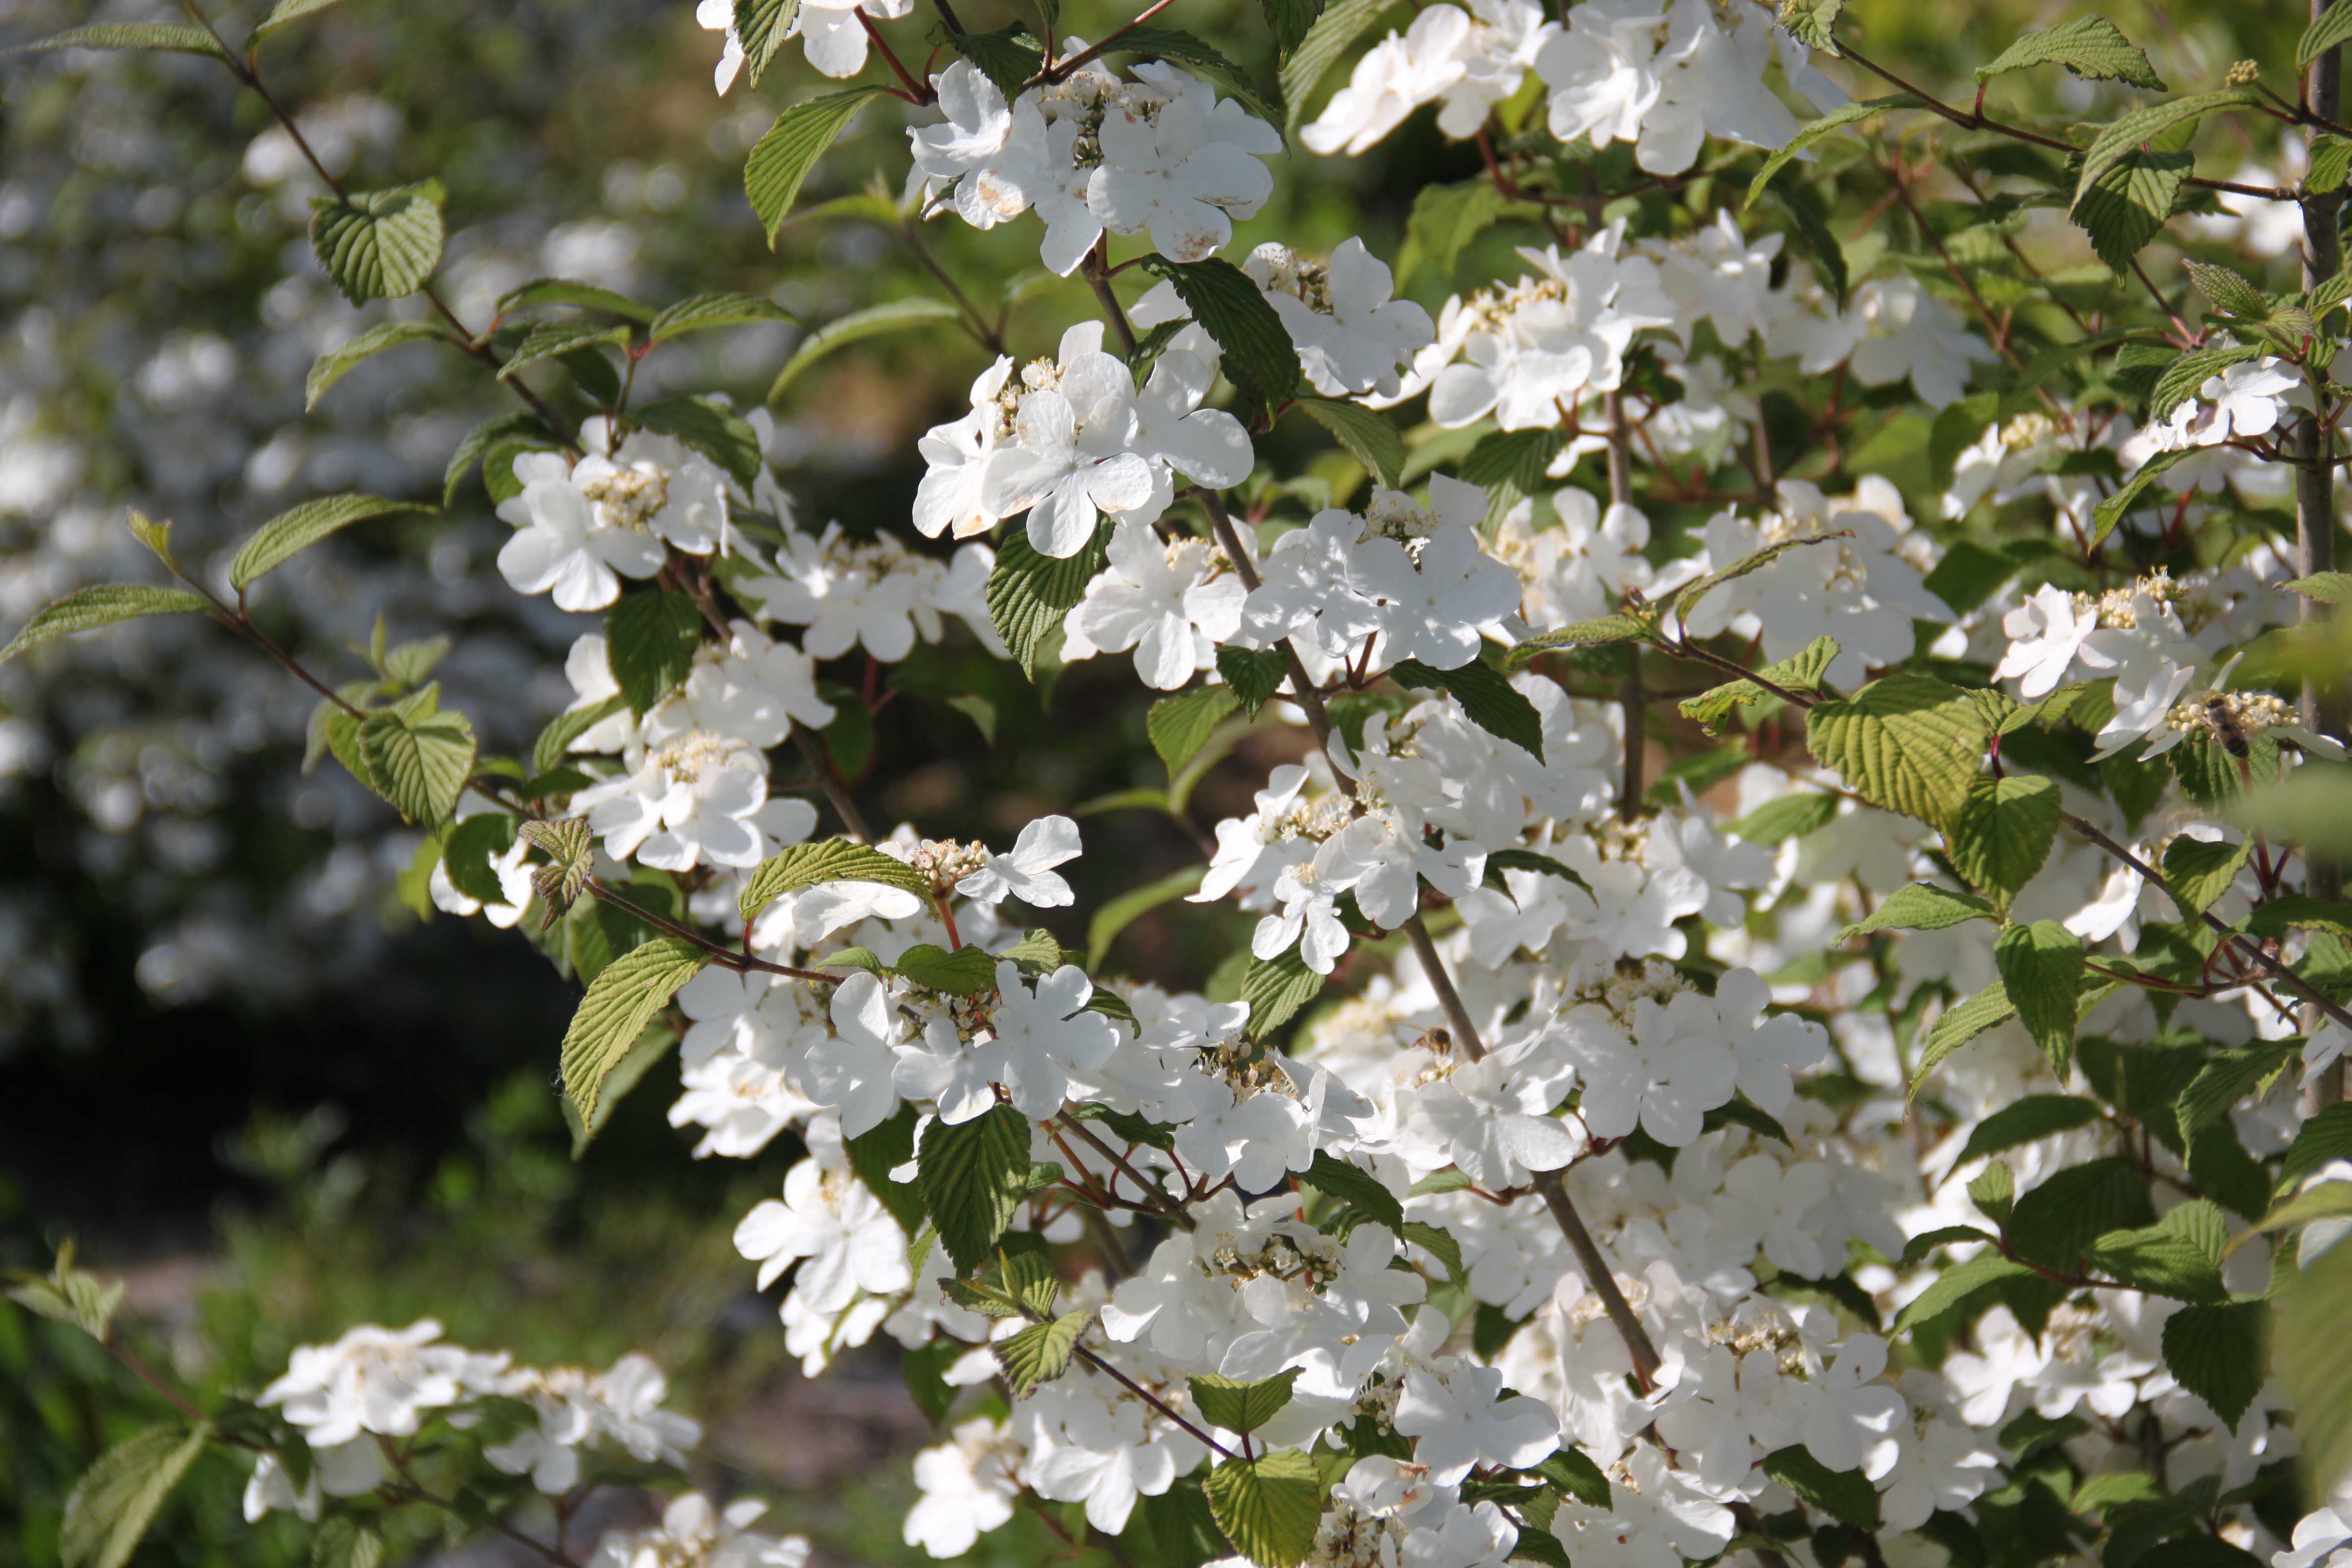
pixel 620 1002
pixel 116 1499
pixel 1907 742
pixel 290 533
pixel 2331 161
pixel 1242 1406
pixel 762 25
pixel 1340 24
pixel 337 362
pixel 1959 1023
pixel 782 158
pixel 704 312
pixel 1835 120
pixel 1917 906
pixel 1802 671
pixel 1583 634
pixel 172 37
pixel 897 316
pixel 1042 1352
pixel 69 1295
pixel 100 606
pixel 2004 833
pixel 1488 699
pixel 1369 436
pixel 649 643
pixel 2327 30
pixel 1029 592
pixel 379 244
pixel 1791 816
pixel 1809 21
pixel 1955 1284
pixel 2042 969
pixel 570 850
pixel 419 764
pixel 2089 46
pixel 2158 1261
pixel 283 13
pixel 1276 988
pixel 2216 1352
pixel 1179 725
pixel 1447 218
pixel 2117 142
pixel 828 861
pixel 972 1174
pixel 1260 357
pixel 1269 1507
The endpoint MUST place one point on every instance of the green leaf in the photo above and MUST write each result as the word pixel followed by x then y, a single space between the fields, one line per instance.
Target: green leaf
pixel 2314 1359
pixel 704 312
pixel 1583 634
pixel 2004 833
pixel 2041 968
pixel 343 1541
pixel 568 292
pixel 1261 360
pixel 782 158
pixel 2227 290
pixel 116 1499
pixel 1810 23
pixel 1447 218
pixel 1181 48
pixel 1340 24
pixel 1509 465
pixel 506 433
pixel 711 429
pixel 1994 1192
pixel 880 1150
pixel 2216 1352
pixel 2197 873
pixel 761 27
pixel 101 607
pixel 69 1295
pixel 1440 1243
pixel 1254 674
pixel 1276 988
pixel 337 362
pixel 172 37
pixel 1369 436
pixel 2110 511
pixel 1791 817
pixel 469 851
pixel 2158 1259
pixel 2321 1139
pixel 1847 1496
pixel 972 1175
pixel 1007 57
pixel 1917 1249
pixel 1836 120
pixel 1030 592
pixel 379 244
pixel 1813 232
pixel 2230 1076
pixel 1908 743
pixel 1179 725
pixel 2089 46
pixel 620 1002
pixel 1358 1188
pixel 1529 861
pixel 2118 140
pixel 1688 596
pixel 1917 906
pixel 2103 1491
pixel 1572 1471
pixel 829 860
pixel 1242 1406
pixel 281 15
pixel 1116 915
pixel 649 643
pixel 1042 1352
pixel 2327 30
pixel 553 340
pixel 966 972
pixel 289 533
pixel 1488 699
pixel 1289 20
pixel 2027 1121
pixel 2063 1217
pixel 419 764
pixel 2124 208
pixel 1961 1023
pixel 1802 671
pixel 2327 587
pixel 554 742
pixel 1269 1507
pixel 898 316
pixel 1955 1284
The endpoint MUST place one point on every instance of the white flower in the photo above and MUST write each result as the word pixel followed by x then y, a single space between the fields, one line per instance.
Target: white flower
pixel 852 1069
pixel 830 33
pixel 957 454
pixel 2045 632
pixel 1350 333
pixel 377 1380
pixel 1395 77
pixel 653 483
pixel 1309 917
pixel 1027 873
pixel 752 690
pixel 694 1531
pixel 1046 1034
pixel 1461 1422
pixel 844 597
pixel 1663 78
pixel 1849 1421
pixel 719 17
pixel 1183 169
pixel 1431 609
pixel 1160 601
pixel 1068 456
pixel 1665 1070
pixel 968 1486
pixel 563 544
pixel 589 668
pixel 698 799
pixel 830 1218
pixel 1906 331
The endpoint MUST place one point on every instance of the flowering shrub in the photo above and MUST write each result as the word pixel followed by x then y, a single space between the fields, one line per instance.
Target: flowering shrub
pixel 1913 1127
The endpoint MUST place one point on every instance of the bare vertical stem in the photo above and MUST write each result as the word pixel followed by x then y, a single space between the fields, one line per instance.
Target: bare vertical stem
pixel 1598 1274
pixel 2315 501
pixel 1631 698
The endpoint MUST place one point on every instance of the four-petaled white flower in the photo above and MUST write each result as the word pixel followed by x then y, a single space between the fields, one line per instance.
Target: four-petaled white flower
pixel 1027 873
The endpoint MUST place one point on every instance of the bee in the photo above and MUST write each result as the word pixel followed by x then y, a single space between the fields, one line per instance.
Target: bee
pixel 2222 720
pixel 1437 1042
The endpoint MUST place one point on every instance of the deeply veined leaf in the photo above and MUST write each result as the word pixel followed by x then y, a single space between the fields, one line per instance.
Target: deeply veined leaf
pixel 1801 671
pixel 897 316
pixel 1263 361
pixel 2041 970
pixel 169 38
pixel 761 27
pixel 2321 1139
pixel 711 429
pixel 1908 743
pixel 704 312
pixel 1917 906
pixel 2229 1077
pixel 782 158
pixel 649 643
pixel 1340 24
pixel 1583 634
pixel 1242 1406
pixel 553 339
pixel 2004 833
pixel 972 1174
pixel 1254 674
pixel 2216 1352
pixel 2027 1121
pixel 337 362
pixel 1042 1352
pixel 1955 1284
pixel 2196 873
pixel 419 764
pixel 379 244
pixel 966 972
pixel 1809 21
pixel 830 860
pixel 1276 988
pixel 1268 1507
pixel 2141 125
pixel 569 291
pixel 1835 120
pixel 1686 597
pixel 1369 436
pixel 100 606
pixel 2059 1220
pixel 2124 208
pixel 2158 1261
pixel 1959 1023
pixel 116 1499
pixel 1178 726
pixel 1030 592
pixel 1847 1496
pixel 1360 1189
pixel 2089 46
pixel 1487 700
pixel 1509 465
pixel 1445 219
pixel 2227 290
pixel 1289 20
pixel 2327 30
pixel 620 1002
pixel 290 533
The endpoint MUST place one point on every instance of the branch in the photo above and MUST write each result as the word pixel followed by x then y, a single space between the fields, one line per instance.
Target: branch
pixel 1087 57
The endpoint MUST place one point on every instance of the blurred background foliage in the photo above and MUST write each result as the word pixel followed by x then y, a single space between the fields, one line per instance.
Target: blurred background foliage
pixel 231 1063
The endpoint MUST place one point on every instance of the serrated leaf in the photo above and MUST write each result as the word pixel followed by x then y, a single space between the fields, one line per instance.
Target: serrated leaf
pixel 2110 511
pixel 761 27
pixel 2124 208
pixel 1907 742
pixel 829 860
pixel 2229 1077
pixel 2289 911
pixel 2042 969
pixel 2197 873
pixel 1487 700
pixel 2226 290
pixel 1042 1352
pixel 1276 988
pixel 1369 436
pixel 1261 360
pixel 1802 671
pixel 468 852
pixel 711 429
pixel 1178 726
pixel 1289 20
pixel 2004 833
pixel 1791 817
pixel 2216 1353
pixel 782 158
pixel 649 643
pixel 379 244
pixel 289 533
pixel 2089 46
pixel 2159 1260
pixel 1338 29
pixel 553 340
pixel 170 38
pixel 1917 906
pixel 569 291
pixel 1955 1284
pixel 966 972
pixel 506 432
pixel 1360 1189
pixel 1242 1406
pixel 1583 634
pixel 1254 674
pixel 1835 120
pixel 2027 1121
pixel 420 766
pixel 2327 30
pixel 1270 1507
pixel 1959 1023
pixel 2063 1217
pixel 972 1174
pixel 704 312
pixel 100 606
pixel 2322 1139
pixel 1509 465
pixel 1201 59
pixel 1029 592
pixel 116 1499
pixel 898 316
pixel 337 362
pixel 2118 140
pixel 620 1002
pixel 1809 21
pixel 1847 1496
pixel 1686 597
